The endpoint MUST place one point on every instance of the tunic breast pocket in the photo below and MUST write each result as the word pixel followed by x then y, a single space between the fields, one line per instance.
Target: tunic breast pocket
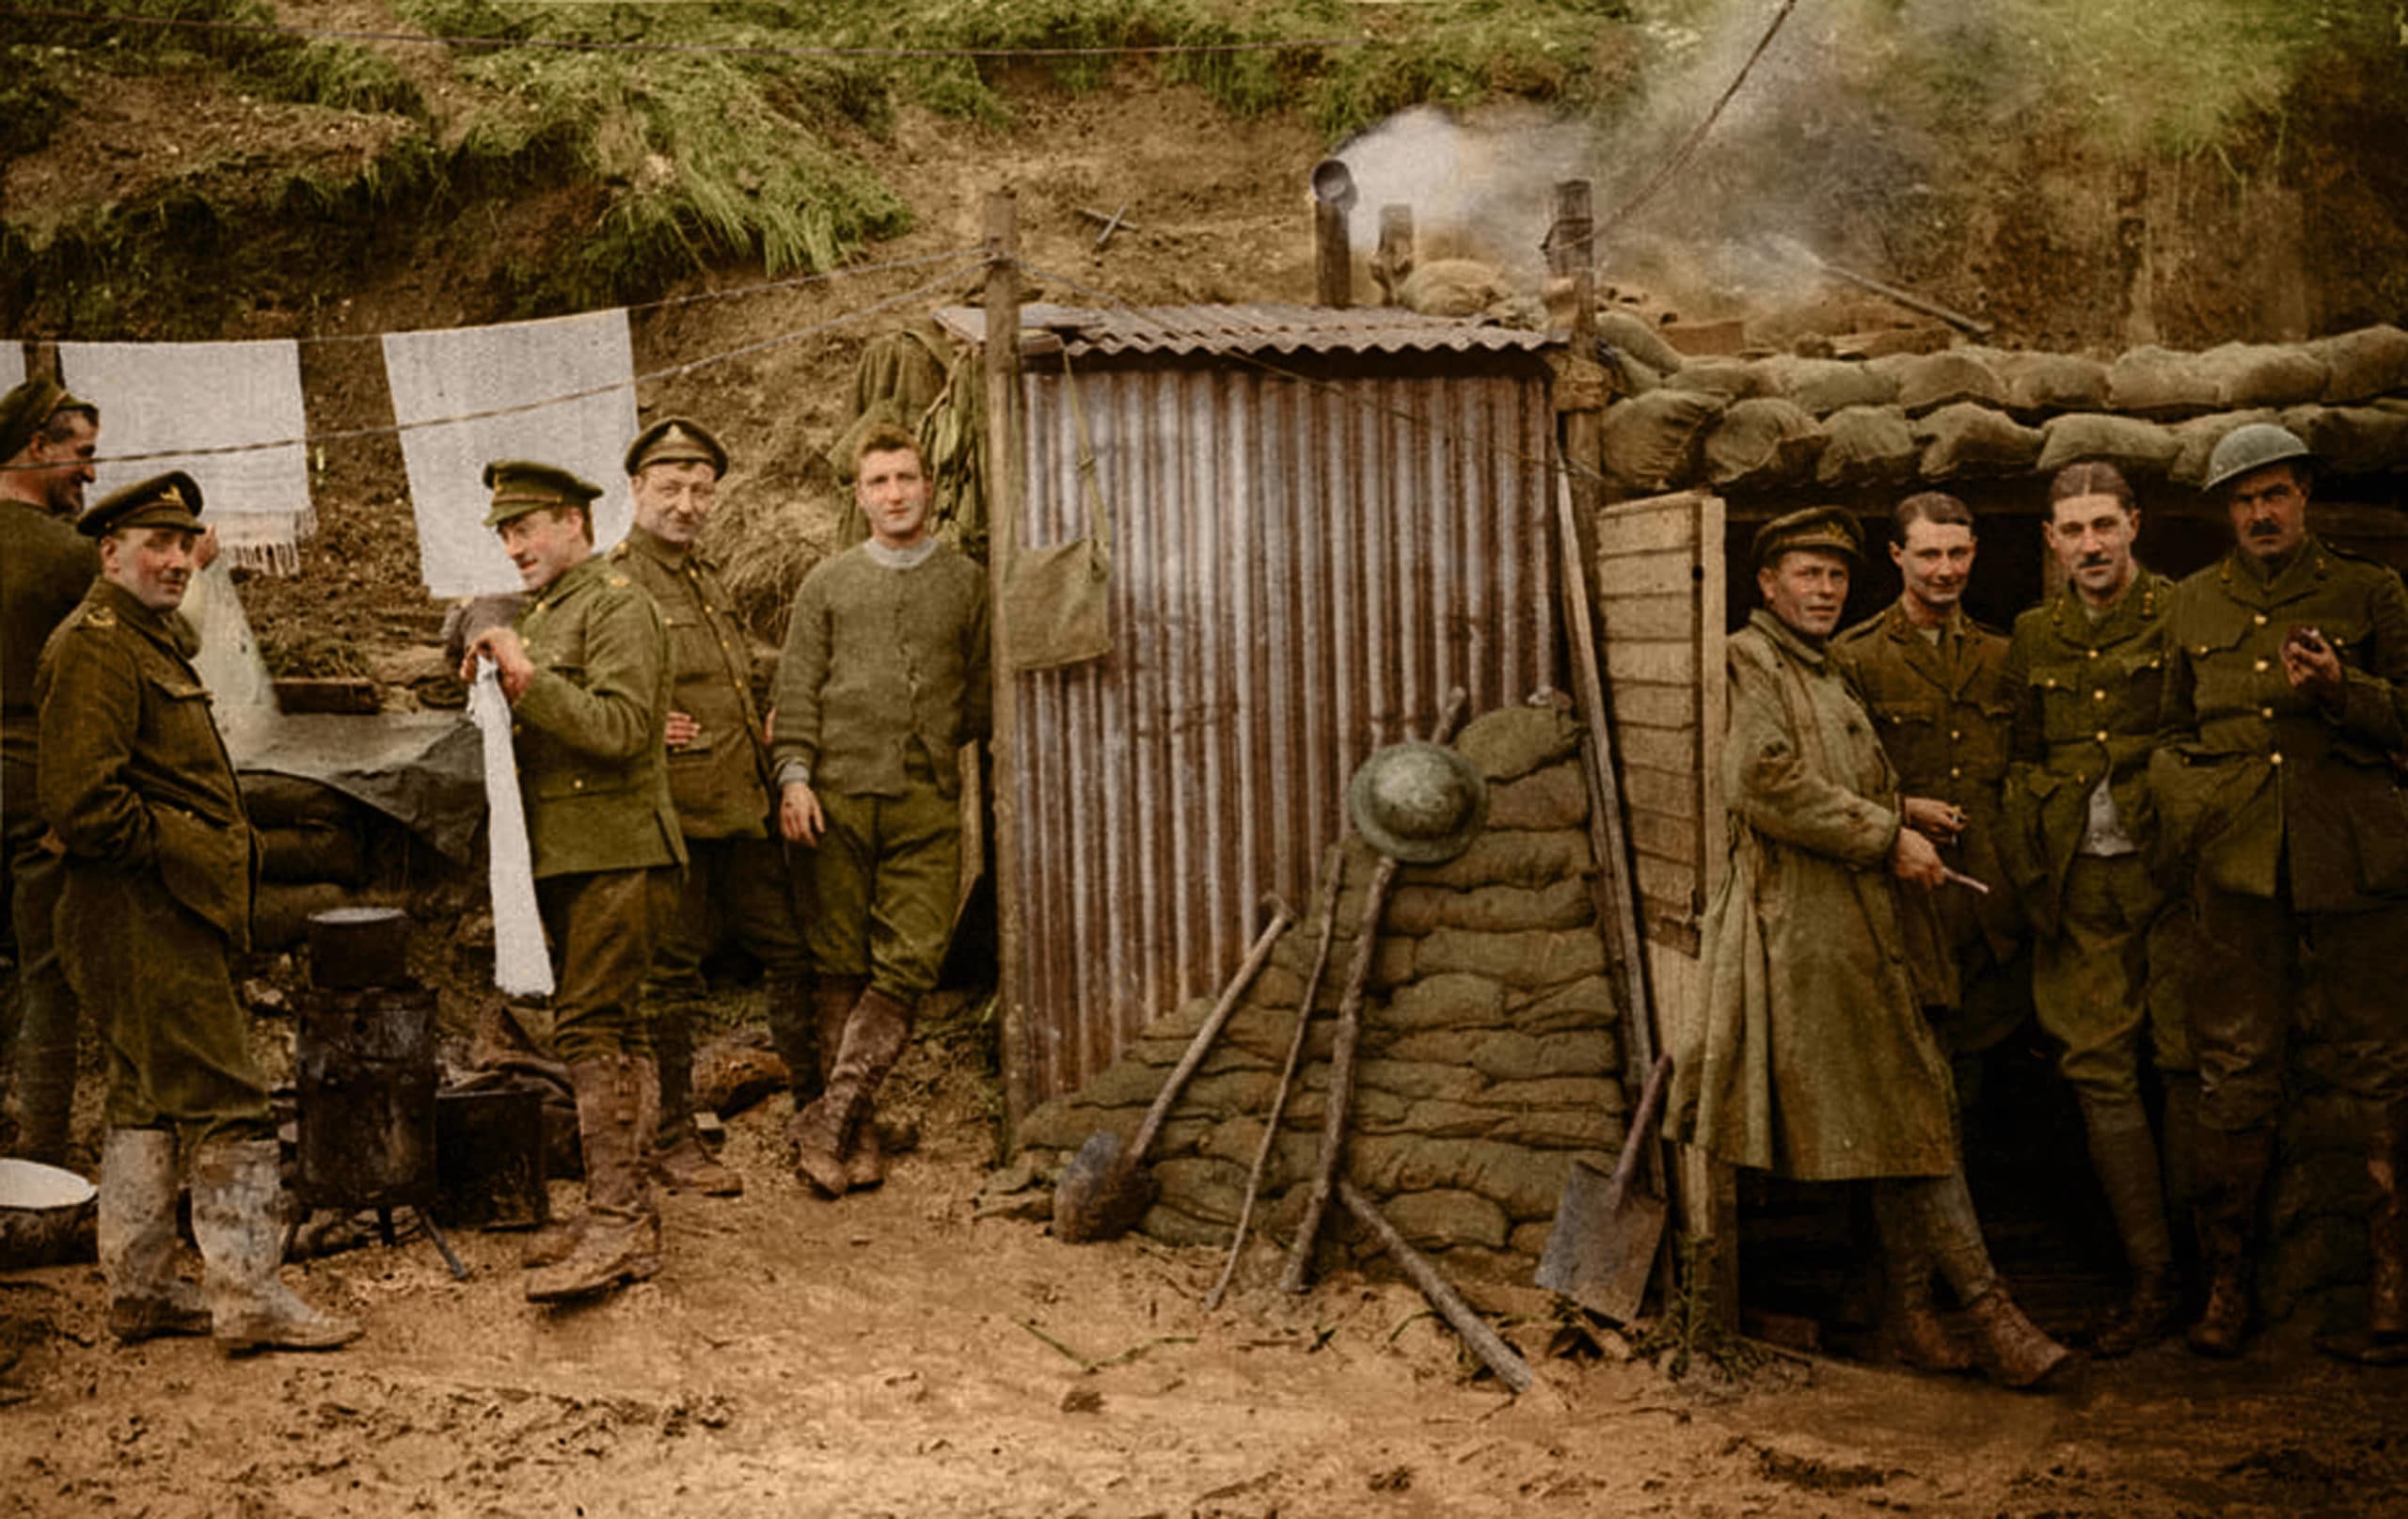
pixel 180 714
pixel 2065 701
pixel 575 674
pixel 2144 682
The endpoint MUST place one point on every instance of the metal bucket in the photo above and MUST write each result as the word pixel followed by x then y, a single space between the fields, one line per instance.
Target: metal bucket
pixel 489 1151
pixel 364 1064
pixel 46 1215
pixel 358 947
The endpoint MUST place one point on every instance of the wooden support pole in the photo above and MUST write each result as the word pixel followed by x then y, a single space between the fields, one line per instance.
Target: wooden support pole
pixel 1003 473
pixel 1333 258
pixel 1486 1342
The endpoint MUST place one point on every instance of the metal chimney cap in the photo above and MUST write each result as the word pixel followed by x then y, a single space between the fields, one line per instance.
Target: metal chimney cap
pixel 1334 183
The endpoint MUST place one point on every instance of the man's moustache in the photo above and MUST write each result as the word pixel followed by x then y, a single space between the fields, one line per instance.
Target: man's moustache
pixel 2265 530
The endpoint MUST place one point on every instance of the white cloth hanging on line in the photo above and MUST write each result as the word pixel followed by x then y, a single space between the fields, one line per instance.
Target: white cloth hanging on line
pixel 12 364
pixel 165 398
pixel 521 966
pixel 457 371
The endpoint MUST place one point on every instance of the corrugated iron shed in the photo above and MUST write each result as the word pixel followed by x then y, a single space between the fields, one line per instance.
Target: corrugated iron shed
pixel 1319 521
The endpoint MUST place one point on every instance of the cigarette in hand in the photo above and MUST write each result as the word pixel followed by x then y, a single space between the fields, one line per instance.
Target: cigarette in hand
pixel 1958 878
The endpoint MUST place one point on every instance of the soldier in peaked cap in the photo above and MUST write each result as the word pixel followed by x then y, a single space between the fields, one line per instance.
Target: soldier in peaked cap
pixel 736 882
pixel 1815 1059
pixel 159 862
pixel 47 440
pixel 585 667
pixel 2279 791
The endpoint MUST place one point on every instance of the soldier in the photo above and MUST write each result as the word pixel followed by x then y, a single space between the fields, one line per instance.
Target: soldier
pixel 2087 667
pixel 47 439
pixel 157 900
pixel 736 878
pixel 2286 699
pixel 585 667
pixel 883 679
pixel 1929 675
pixel 1814 1060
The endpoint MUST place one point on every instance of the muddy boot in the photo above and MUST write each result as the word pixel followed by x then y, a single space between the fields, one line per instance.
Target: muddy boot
pixel 831 1009
pixel 235 1192
pixel 619 1239
pixel 824 1132
pixel 865 1163
pixel 678 1159
pixel 137 1238
pixel 552 1243
pixel 2384 1339
pixel 794 1033
pixel 2232 1171
pixel 2012 1349
pixel 2124 1153
pixel 1910 1331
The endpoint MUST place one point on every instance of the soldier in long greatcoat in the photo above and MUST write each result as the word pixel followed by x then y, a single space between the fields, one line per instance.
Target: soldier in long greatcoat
pixel 1814 1059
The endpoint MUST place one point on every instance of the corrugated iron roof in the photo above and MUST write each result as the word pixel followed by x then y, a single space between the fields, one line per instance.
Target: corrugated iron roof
pixel 1250 329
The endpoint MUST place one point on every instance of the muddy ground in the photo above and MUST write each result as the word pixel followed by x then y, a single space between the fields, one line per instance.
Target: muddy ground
pixel 897 1354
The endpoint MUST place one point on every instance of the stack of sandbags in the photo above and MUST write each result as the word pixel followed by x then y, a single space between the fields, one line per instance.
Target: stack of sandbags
pixel 314 855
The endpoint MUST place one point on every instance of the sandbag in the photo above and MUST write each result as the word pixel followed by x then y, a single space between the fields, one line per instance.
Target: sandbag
pixel 2041 384
pixel 2263 375
pixel 1639 340
pixel 288 800
pixel 1726 377
pixel 2362 365
pixel 1823 386
pixel 2137 448
pixel 2353 440
pixel 1453 287
pixel 2162 384
pixel 1651 441
pixel 1867 446
pixel 2196 441
pixel 1969 439
pixel 1625 374
pixel 312 851
pixel 1762 442
pixel 1927 382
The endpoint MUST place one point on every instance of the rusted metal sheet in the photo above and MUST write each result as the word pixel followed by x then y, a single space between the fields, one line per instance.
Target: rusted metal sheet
pixel 1304 562
pixel 1089 331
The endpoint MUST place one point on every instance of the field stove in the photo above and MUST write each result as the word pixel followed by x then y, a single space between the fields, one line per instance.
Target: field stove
pixel 364 1059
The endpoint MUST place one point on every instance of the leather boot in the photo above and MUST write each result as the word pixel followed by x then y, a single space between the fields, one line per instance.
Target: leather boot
pixel 2012 1349
pixel 794 1033
pixel 2124 1154
pixel 137 1238
pixel 1911 1332
pixel 2232 1171
pixel 875 1035
pixel 865 1163
pixel 679 1161
pixel 619 1240
pixel 831 1009
pixel 2387 1229
pixel 235 1190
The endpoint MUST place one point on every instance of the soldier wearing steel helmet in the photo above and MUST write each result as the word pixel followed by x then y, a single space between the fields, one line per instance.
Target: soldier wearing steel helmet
pixel 585 668
pixel 1814 1059
pixel 135 785
pixel 2278 791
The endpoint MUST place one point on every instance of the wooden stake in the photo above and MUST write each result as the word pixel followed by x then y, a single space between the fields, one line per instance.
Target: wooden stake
pixel 1333 258
pixel 1486 1343
pixel 1002 358
pixel 1339 1100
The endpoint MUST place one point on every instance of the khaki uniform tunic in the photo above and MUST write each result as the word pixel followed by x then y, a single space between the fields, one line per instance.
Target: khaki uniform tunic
pixel 160 863
pixel 883 679
pixel 2089 696
pixel 1813 1058
pixel 1940 707
pixel 43 575
pixel 589 733
pixel 2294 820
pixel 735 884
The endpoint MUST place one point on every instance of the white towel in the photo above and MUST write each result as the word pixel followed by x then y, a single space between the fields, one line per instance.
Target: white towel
pixel 521 967
pixel 164 398
pixel 12 364
pixel 240 696
pixel 459 371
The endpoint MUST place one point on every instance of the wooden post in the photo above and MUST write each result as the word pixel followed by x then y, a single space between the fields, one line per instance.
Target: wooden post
pixel 1002 505
pixel 1332 260
pixel 1582 397
pixel 1394 259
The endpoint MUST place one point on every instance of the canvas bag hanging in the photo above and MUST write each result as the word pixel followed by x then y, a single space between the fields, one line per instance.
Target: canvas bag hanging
pixel 1057 600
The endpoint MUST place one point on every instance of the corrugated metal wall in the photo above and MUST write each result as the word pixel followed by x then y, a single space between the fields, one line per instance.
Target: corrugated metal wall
pixel 1300 573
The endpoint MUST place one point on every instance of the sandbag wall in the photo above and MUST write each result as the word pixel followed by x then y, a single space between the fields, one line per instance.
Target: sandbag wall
pixel 318 849
pixel 1787 424
pixel 1492 1049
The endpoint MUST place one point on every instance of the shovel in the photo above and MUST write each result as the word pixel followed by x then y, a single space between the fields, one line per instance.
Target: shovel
pixel 1606 1231
pixel 1106 1189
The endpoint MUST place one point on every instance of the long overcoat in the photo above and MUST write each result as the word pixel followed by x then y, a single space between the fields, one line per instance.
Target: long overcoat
pixel 1812 1058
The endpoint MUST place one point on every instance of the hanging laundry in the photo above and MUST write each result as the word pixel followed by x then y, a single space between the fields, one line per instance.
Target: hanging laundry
pixel 465 371
pixel 12 364
pixel 159 400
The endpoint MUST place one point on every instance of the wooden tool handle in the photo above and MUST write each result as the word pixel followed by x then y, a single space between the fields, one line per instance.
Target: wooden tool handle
pixel 1281 916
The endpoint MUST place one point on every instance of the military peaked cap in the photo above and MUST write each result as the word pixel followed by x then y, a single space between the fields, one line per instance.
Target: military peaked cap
pixel 519 487
pixel 676 440
pixel 168 500
pixel 1831 529
pixel 24 410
